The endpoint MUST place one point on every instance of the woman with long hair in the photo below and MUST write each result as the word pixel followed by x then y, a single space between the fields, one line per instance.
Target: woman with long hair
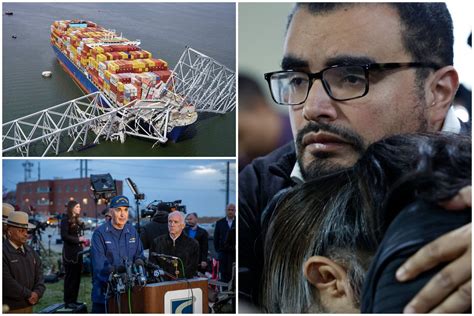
pixel 71 234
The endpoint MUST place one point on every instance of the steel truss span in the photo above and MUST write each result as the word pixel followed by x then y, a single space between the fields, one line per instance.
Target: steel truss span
pixel 204 82
pixel 198 81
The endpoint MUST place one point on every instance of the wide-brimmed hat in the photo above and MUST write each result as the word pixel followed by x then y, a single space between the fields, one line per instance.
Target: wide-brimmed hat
pixel 118 201
pixel 19 219
pixel 6 210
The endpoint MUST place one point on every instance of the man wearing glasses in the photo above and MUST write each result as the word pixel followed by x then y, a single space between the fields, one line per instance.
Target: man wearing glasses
pixel 353 74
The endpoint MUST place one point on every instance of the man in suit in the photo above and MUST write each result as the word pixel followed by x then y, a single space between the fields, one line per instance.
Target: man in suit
pixel 199 234
pixel 223 226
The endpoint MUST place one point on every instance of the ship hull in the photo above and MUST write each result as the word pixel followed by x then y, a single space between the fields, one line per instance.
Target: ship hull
pixel 88 86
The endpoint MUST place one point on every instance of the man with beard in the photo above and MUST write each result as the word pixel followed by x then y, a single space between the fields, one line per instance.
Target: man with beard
pixel 353 74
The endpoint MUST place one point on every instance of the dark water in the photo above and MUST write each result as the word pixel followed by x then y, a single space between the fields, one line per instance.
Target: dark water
pixel 163 28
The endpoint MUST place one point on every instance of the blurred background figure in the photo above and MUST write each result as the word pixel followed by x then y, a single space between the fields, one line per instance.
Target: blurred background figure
pixel 71 233
pixel 158 225
pixel 224 239
pixel 193 231
pixel 261 127
pixel 6 210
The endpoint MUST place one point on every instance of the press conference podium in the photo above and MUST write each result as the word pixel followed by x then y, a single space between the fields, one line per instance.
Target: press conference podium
pixel 170 297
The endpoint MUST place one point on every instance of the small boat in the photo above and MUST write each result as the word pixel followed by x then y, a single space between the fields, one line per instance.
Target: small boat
pixel 46 74
pixel 9 13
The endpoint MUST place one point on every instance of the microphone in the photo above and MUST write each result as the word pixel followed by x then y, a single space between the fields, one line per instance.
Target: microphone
pixel 141 276
pixel 83 252
pixel 122 279
pixel 160 255
pixel 111 273
pixel 152 266
pixel 128 268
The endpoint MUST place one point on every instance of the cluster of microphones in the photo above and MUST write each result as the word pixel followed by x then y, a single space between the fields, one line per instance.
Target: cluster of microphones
pixel 128 275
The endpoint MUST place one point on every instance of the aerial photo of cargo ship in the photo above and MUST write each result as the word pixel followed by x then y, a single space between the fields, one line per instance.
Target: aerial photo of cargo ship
pixel 99 59
pixel 77 81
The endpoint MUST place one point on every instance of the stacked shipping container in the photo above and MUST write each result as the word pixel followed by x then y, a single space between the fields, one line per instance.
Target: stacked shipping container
pixel 123 71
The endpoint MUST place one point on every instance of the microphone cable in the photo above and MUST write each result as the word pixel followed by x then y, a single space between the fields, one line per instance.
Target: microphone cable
pixel 129 301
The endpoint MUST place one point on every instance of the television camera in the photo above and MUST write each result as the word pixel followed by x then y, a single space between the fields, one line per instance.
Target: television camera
pixel 159 205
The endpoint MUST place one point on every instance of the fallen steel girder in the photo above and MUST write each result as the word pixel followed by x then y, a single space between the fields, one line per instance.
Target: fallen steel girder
pixel 61 127
pixel 203 82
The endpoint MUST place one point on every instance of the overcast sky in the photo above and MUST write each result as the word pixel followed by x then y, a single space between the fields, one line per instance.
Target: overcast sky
pixel 200 183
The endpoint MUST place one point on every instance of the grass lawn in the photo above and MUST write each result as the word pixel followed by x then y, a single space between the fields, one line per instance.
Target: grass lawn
pixel 55 291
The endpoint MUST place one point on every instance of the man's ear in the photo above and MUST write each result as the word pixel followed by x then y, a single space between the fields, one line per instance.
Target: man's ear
pixel 326 275
pixel 442 90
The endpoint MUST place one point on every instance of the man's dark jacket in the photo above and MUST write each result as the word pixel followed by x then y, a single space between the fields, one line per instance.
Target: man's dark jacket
pixel 258 184
pixel 22 274
pixel 415 226
pixel 158 226
pixel 220 235
pixel 185 248
pixel 202 237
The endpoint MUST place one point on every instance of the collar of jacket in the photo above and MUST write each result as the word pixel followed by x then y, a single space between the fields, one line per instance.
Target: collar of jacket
pixel 284 165
pixel 109 227
pixel 12 249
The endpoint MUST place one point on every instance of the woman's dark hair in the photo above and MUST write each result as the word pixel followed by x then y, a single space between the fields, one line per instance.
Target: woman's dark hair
pixel 344 216
pixel 72 218
pixel 400 169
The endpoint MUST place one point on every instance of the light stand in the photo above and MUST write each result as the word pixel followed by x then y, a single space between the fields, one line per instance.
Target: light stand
pixel 103 187
pixel 138 197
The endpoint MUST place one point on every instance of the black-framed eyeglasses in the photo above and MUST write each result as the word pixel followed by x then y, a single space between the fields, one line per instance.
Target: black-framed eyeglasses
pixel 341 82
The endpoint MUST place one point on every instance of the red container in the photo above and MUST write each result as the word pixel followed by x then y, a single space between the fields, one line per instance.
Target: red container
pixel 164 74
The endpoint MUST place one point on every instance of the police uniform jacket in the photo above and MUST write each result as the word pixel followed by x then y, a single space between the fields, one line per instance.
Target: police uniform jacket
pixel 111 247
pixel 22 274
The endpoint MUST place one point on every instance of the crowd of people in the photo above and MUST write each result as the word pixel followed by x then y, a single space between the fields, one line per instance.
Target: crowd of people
pixel 114 244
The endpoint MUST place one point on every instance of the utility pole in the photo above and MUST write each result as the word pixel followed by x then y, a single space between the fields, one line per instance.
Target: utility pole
pixel 86 169
pixel 39 170
pixel 80 168
pixel 227 186
pixel 27 165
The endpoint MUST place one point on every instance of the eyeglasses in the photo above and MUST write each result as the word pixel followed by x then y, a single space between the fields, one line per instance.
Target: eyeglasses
pixel 341 82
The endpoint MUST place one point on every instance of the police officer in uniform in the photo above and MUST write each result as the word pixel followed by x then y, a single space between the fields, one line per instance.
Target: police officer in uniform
pixel 23 283
pixel 115 243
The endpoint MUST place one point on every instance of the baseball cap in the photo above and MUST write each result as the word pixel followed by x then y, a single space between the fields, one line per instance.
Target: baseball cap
pixel 119 200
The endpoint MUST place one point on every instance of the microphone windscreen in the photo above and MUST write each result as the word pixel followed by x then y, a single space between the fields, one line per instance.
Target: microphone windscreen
pixel 121 269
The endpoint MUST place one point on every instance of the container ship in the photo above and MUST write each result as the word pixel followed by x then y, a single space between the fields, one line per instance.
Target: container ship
pixel 100 60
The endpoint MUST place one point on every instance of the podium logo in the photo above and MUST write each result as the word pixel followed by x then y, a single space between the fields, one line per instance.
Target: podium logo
pixel 184 301
pixel 182 306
